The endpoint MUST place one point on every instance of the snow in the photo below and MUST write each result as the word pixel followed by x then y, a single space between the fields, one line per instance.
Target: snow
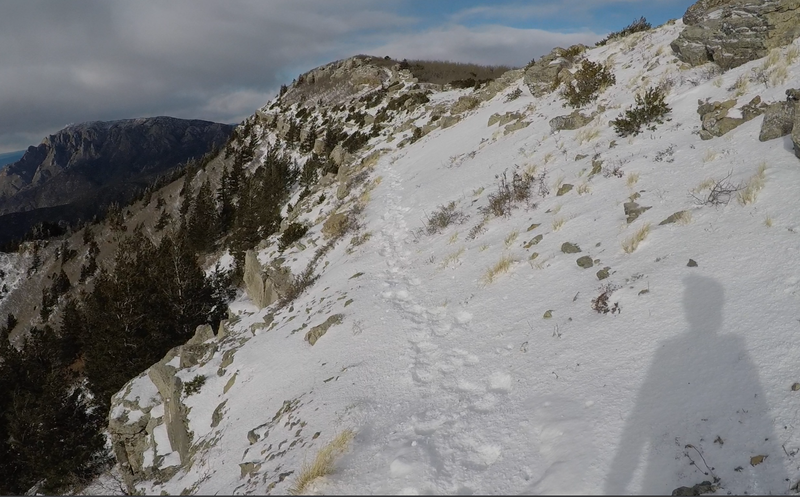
pixel 455 385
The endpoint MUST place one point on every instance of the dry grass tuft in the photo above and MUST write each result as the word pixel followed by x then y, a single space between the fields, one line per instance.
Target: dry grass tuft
pixel 502 266
pixel 632 243
pixel 587 134
pixel 632 179
pixel 706 184
pixel 709 155
pixel 768 221
pixel 558 222
pixel 755 184
pixel 511 238
pixel 453 258
pixel 684 218
pixel 322 464
pixel 584 188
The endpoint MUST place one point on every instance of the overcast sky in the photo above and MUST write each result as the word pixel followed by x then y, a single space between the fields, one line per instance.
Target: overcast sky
pixel 85 60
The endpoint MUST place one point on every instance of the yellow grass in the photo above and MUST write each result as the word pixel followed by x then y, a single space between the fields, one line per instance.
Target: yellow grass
pixel 632 243
pixel 754 185
pixel 484 247
pixel 792 53
pixel 584 188
pixel 477 191
pixel 511 238
pixel 587 134
pixel 558 223
pixel 322 464
pixel 632 179
pixel 559 182
pixel 453 238
pixel 768 221
pixel 548 157
pixel 741 85
pixel 704 185
pixel 453 258
pixel 779 75
pixel 684 218
pixel 502 266
pixel 709 155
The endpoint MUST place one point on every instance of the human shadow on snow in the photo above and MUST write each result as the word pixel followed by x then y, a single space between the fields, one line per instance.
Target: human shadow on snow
pixel 701 412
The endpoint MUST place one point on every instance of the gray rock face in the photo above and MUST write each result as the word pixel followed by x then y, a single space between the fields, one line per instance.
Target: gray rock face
pixel 264 285
pixel 86 165
pixel 543 74
pixel 733 32
pixel 778 120
pixel 571 121
pixel 714 116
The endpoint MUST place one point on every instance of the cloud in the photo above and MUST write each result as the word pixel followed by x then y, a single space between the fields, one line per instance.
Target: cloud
pixel 86 60
pixel 491 45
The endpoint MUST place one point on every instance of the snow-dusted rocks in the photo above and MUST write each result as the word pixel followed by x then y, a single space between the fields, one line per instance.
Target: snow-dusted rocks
pixel 733 32
pixel 264 286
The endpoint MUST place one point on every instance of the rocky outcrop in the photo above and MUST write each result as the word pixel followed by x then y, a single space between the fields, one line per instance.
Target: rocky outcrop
pixel 783 118
pixel 85 166
pixel 733 32
pixel 264 285
pixel 318 331
pixel 571 121
pixel 149 409
pixel 543 75
pixel 714 116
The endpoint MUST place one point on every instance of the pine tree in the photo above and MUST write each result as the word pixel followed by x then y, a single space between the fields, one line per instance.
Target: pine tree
pixel 202 224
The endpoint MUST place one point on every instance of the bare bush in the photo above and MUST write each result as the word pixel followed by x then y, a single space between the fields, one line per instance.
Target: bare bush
pixel 720 192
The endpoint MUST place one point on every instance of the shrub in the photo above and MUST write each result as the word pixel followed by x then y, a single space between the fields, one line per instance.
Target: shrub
pixel 509 193
pixel 600 303
pixel 291 234
pixel 194 385
pixel 649 110
pixel 635 27
pixel 632 243
pixel 444 217
pixel 590 79
pixel 514 95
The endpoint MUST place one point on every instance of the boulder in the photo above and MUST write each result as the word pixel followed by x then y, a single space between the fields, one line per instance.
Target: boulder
pixel 510 128
pixel 778 120
pixel 463 104
pixel 503 119
pixel 170 388
pixel 585 262
pixel 447 121
pixel 733 32
pixel 564 189
pixel 571 121
pixel 714 116
pixel 541 77
pixel 570 248
pixel 318 331
pixel 264 285
pixel 633 210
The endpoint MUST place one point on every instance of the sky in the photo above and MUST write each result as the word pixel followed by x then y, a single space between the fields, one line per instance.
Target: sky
pixel 88 60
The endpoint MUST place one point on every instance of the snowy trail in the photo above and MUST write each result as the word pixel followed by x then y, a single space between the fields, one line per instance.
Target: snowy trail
pixel 466 411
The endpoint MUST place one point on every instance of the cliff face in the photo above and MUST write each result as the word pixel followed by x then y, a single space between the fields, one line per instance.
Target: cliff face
pixel 80 159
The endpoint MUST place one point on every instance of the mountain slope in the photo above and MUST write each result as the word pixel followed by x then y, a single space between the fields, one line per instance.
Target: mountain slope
pixel 87 165
pixel 475 356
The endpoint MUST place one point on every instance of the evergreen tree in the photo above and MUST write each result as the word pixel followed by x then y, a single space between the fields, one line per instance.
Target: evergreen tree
pixel 202 225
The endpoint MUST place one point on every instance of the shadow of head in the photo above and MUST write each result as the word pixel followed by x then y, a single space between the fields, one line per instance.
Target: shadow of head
pixel 703 299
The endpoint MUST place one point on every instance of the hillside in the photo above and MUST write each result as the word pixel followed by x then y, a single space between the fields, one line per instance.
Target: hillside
pixel 83 167
pixel 468 345
pixel 480 290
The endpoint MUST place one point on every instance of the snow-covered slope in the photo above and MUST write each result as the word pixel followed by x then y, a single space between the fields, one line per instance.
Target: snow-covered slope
pixel 454 380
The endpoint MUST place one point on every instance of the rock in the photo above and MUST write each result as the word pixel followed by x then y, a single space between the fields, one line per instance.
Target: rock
pixel 563 189
pixel 733 32
pixel 585 262
pixel 580 157
pixel 714 116
pixel 692 263
pixel 319 146
pixel 795 387
pixel 533 226
pixel 218 414
pixel 503 119
pixel 541 77
pixel 603 273
pixel 793 94
pixel 571 121
pixel 570 248
pixel 339 155
pixel 318 331
pixel 705 487
pixel 170 388
pixel 264 285
pixel 633 210
pixel 515 126
pixel 463 104
pixel 778 120
pixel 447 121
pixel 548 314
pixel 796 134
pixel 534 241
pixel 673 218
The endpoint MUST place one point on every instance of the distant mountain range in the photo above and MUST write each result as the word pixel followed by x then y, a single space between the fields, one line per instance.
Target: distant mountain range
pixel 76 172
